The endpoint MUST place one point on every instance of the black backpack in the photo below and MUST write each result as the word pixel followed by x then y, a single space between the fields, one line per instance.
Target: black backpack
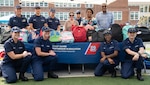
pixel 117 32
pixel 143 33
pixel 89 33
pixel 98 36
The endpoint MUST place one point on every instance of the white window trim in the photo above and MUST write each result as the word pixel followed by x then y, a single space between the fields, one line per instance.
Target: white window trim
pixel 67 5
pixel 88 6
pixel 134 12
pixel 117 15
pixel 25 4
pixel 8 4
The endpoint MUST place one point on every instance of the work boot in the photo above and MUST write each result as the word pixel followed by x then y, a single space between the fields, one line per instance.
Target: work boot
pixel 22 77
pixel 113 74
pixel 52 75
pixel 139 76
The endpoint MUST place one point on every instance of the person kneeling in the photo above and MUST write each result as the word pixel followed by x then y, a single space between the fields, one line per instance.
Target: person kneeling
pixel 43 55
pixel 109 52
pixel 133 48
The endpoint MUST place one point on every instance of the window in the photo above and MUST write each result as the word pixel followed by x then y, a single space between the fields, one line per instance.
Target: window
pixel 33 4
pixel 6 2
pixel 67 5
pixel 117 15
pixel 5 13
pixel 29 14
pixel 88 5
pixel 62 16
pixel 134 15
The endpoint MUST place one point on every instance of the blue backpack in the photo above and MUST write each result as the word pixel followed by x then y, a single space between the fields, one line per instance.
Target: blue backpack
pixel 55 36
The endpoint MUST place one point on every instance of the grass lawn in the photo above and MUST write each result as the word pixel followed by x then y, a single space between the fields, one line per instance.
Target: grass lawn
pixel 105 80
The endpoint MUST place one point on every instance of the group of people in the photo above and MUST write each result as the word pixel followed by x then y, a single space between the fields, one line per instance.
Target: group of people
pixel 17 59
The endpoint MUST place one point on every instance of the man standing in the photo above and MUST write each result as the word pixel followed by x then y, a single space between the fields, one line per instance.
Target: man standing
pixel 37 21
pixel 18 20
pixel 104 19
pixel 78 16
pixel 52 21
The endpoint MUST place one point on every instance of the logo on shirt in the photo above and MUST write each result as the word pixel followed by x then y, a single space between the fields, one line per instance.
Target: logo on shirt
pixel 34 19
pixel 49 20
pixel 42 20
pixel 24 20
pixel 20 47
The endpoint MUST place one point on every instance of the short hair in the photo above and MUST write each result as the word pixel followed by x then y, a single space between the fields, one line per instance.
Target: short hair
pixel 90 10
pixel 71 13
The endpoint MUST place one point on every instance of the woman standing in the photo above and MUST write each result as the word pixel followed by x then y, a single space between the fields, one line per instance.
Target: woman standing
pixel 71 22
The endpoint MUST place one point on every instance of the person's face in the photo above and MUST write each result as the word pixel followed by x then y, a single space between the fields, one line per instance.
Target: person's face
pixel 52 13
pixel 104 7
pixel 71 16
pixel 18 11
pixel 107 37
pixel 89 13
pixel 15 35
pixel 46 34
pixel 78 15
pixel 37 11
pixel 132 35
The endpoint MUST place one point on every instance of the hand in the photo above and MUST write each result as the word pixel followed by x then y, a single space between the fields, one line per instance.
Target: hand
pixel 29 53
pixel 25 53
pixel 136 57
pixel 52 53
pixel 102 59
pixel 111 61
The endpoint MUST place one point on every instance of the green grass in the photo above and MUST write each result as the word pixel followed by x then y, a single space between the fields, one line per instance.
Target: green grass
pixel 106 80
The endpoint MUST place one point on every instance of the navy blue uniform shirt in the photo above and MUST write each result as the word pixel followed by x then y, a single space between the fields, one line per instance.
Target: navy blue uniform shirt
pixel 45 45
pixel 37 21
pixel 53 23
pixel 10 45
pixel 79 20
pixel 20 22
pixel 109 48
pixel 132 46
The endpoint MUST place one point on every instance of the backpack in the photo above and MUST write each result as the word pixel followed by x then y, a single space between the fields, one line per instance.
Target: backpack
pixel 116 32
pixel 79 34
pixel 32 36
pixel 143 33
pixel 67 37
pixel 24 35
pixel 125 31
pixel 89 34
pixel 54 36
pixel 98 36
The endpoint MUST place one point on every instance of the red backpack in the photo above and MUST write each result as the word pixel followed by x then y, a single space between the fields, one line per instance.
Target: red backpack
pixel 79 34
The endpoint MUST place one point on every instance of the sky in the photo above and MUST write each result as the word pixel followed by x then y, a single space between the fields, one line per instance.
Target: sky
pixel 138 0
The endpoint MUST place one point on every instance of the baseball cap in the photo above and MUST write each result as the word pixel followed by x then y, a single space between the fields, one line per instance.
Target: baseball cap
pixel 78 12
pixel 52 10
pixel 15 29
pixel 107 32
pixel 18 7
pixel 46 28
pixel 132 30
pixel 37 7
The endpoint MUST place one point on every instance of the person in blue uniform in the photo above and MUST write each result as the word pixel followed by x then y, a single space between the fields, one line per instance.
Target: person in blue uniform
pixel 43 55
pixel 37 21
pixel 52 21
pixel 18 20
pixel 133 48
pixel 16 59
pixel 109 55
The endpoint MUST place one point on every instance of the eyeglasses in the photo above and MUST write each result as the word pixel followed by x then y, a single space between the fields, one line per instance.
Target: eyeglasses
pixel 104 6
pixel 71 15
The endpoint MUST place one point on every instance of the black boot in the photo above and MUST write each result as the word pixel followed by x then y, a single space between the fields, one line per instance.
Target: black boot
pixel 139 76
pixel 52 75
pixel 22 77
pixel 113 74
